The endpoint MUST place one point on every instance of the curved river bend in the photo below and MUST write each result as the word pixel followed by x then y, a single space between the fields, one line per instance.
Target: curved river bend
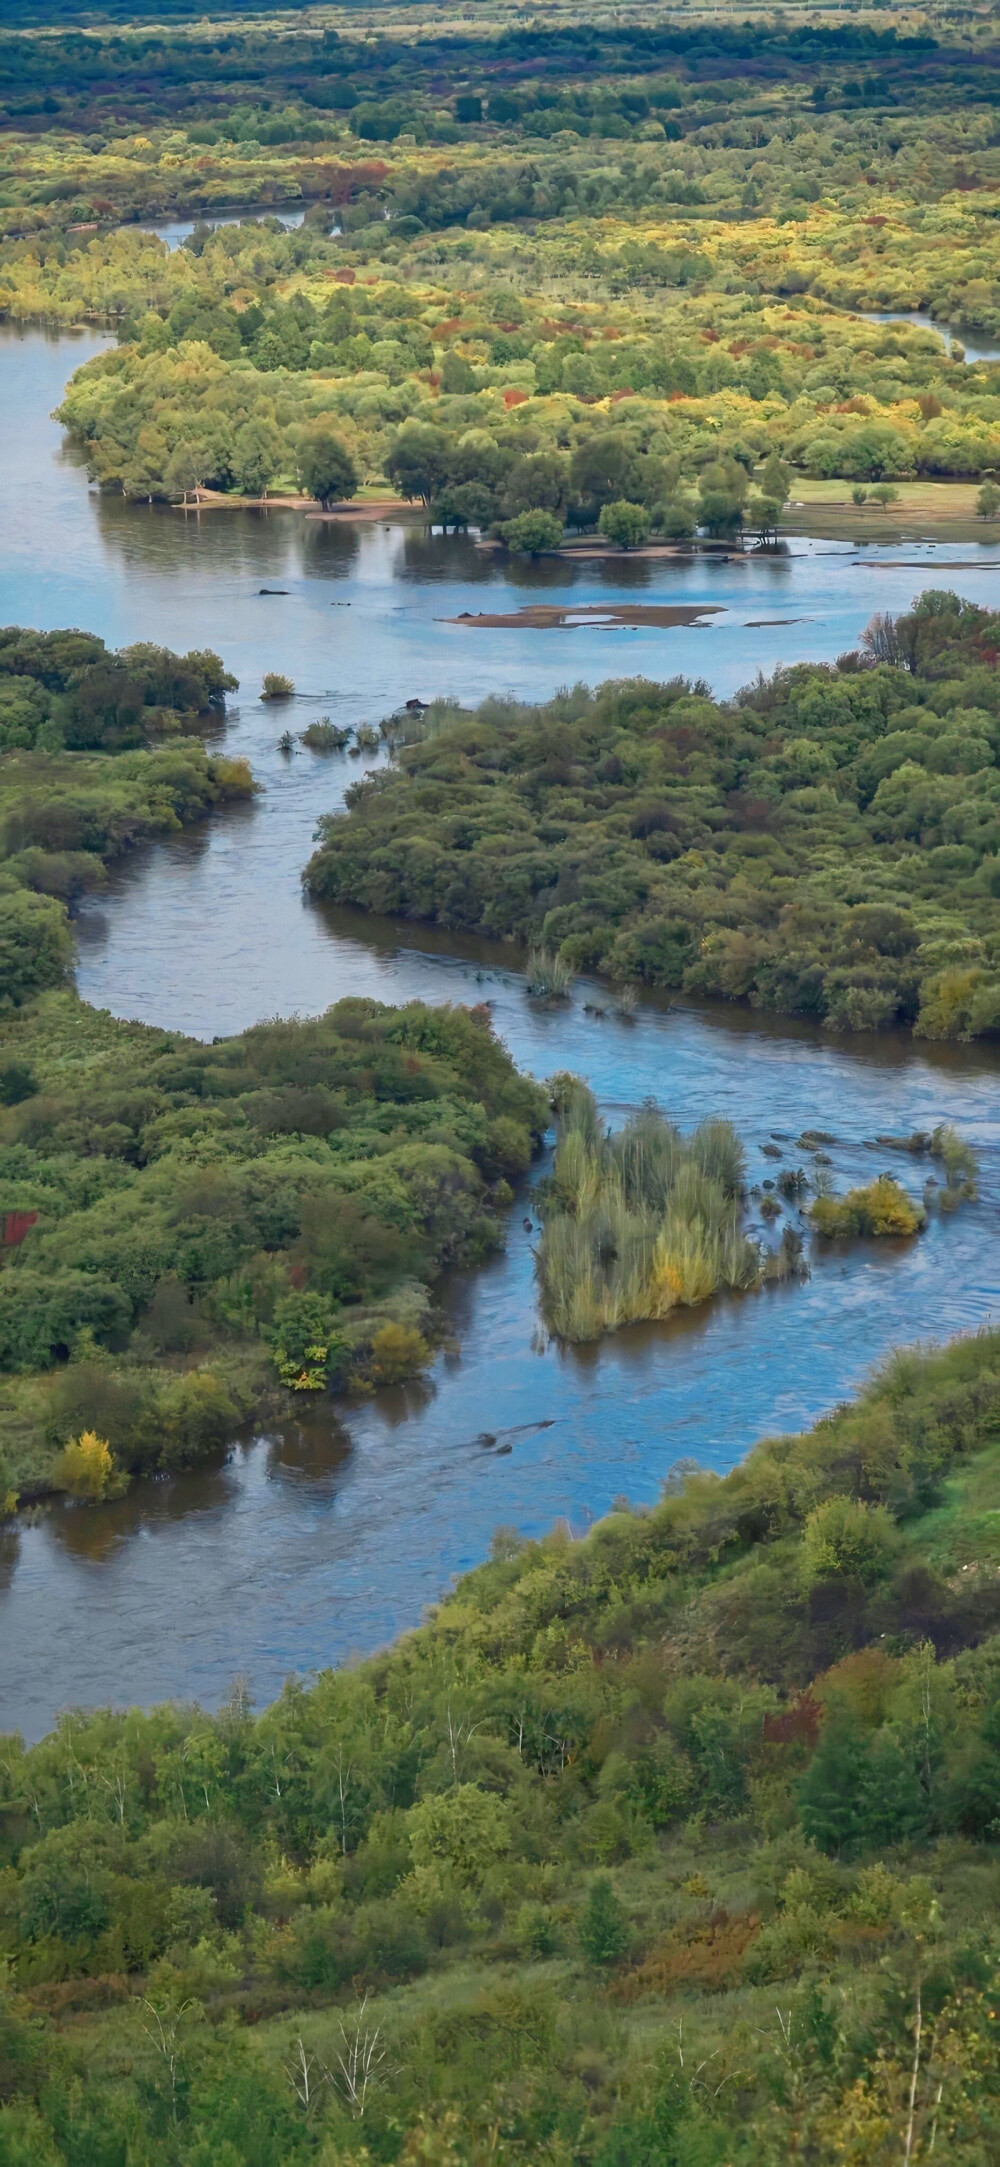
pixel 326 1538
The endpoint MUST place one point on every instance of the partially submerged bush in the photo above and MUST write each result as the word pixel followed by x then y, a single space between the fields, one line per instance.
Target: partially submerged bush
pixel 880 1208
pixel 324 736
pixel 276 686
pixel 85 1467
pixel 399 1351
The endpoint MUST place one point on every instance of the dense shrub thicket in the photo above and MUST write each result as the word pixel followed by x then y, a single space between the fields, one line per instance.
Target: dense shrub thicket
pixel 826 845
pixel 675 1847
pixel 97 752
pixel 205 1217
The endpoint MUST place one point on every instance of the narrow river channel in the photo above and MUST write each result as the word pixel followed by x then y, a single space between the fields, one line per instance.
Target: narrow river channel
pixel 323 1540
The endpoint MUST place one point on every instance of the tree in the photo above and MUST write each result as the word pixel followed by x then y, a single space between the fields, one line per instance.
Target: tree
pixel 844 1539
pixel 326 469
pixel 775 480
pixel 36 945
pixel 257 452
pixel 533 531
pixel 674 520
pixel 419 461
pixel 537 482
pixel 988 501
pixel 765 514
pixel 884 494
pixel 830 1794
pixel 625 523
pixel 603 1926
pixel 456 373
pixel 603 469
pixel 859 494
pixel 85 1467
pixel 723 493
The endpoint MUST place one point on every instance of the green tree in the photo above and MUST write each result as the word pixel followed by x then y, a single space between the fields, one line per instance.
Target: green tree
pixel 419 460
pixel 603 1926
pixel 845 1539
pixel 533 531
pixel 830 1797
pixel 722 492
pixel 625 523
pixel 36 946
pixel 257 451
pixel 326 469
pixel 602 470
pixel 674 520
pixel 775 479
pixel 988 501
pixel 456 373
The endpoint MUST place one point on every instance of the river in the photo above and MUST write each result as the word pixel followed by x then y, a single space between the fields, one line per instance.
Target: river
pixel 323 1540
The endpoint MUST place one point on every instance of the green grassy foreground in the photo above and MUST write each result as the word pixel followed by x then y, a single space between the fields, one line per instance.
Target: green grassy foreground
pixel 674 1847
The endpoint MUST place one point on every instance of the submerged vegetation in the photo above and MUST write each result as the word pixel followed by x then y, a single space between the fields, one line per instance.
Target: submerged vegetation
pixel 673 1847
pixel 639 1223
pixel 192 1225
pixel 827 845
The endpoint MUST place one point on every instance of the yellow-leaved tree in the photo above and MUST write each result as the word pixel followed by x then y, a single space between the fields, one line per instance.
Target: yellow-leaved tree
pixel 85 1466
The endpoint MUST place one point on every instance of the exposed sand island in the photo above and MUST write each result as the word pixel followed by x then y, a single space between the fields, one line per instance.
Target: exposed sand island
pixel 605 616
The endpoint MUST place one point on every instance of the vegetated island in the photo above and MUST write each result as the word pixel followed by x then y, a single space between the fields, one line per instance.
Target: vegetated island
pixel 827 844
pixel 98 752
pixel 672 1845
pixel 639 1223
pixel 190 1232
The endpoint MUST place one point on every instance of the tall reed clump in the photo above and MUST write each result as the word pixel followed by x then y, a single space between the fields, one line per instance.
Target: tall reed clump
pixel 547 974
pixel 640 1223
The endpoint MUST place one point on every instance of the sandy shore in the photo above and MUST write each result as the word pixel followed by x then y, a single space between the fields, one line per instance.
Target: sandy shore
pixel 216 500
pixel 605 616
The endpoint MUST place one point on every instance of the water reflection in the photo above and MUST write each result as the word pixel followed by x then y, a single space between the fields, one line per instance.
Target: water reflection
pixel 314 1450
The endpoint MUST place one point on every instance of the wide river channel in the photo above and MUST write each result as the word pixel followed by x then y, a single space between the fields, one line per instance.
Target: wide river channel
pixel 323 1539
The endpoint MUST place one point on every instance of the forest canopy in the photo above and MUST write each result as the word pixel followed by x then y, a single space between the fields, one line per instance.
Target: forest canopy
pixel 506 1893
pixel 201 1225
pixel 825 845
pixel 98 751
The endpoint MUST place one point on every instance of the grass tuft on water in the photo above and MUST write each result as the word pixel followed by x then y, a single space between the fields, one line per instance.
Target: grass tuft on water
pixel 547 975
pixel 640 1223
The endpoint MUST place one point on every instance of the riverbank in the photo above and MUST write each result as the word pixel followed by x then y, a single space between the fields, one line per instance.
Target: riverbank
pixel 739 1745
pixel 941 510
pixel 825 509
pixel 365 506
